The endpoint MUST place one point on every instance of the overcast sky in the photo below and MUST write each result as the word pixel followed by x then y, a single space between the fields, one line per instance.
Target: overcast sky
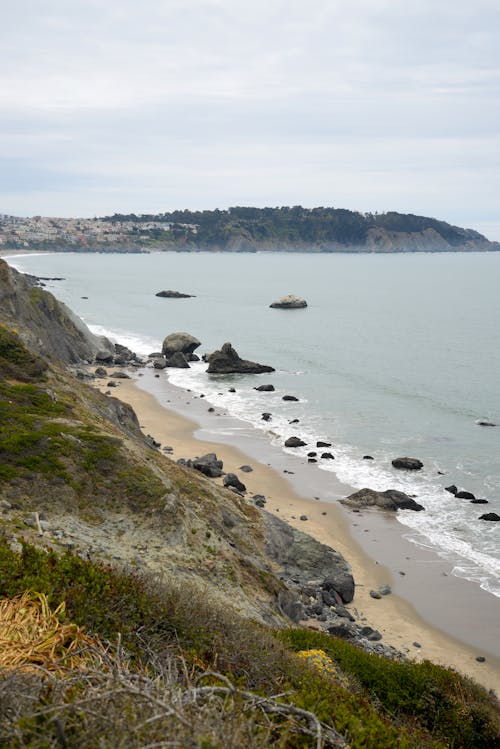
pixel 373 105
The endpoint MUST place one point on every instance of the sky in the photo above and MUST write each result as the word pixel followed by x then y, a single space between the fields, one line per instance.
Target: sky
pixel 144 107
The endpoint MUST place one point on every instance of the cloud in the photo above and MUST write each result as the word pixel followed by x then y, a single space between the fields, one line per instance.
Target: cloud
pixel 373 104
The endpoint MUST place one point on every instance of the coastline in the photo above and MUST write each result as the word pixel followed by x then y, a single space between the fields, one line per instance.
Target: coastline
pixel 452 620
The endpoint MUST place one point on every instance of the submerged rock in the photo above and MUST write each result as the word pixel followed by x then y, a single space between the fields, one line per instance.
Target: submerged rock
pixel 227 361
pixel 265 388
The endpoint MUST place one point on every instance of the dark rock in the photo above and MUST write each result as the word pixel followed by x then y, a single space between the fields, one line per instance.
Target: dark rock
pixel 294 421
pixel 168 294
pixel 411 464
pixel 302 557
pixel 327 456
pixel 311 454
pixel 120 375
pixel 388 500
pixel 290 301
pixel 479 502
pixel 485 423
pixel 192 357
pixel 266 416
pixel 304 517
pixel 289 398
pixel 344 613
pixel 183 342
pixel 345 631
pixel 211 410
pixel 231 390
pixel 112 384
pixel 370 634
pixel 123 353
pixel 464 495
pixel 320 443
pixel 160 362
pixel 246 469
pixel 367 457
pixel 452 489
pixel 490 516
pixel 385 590
pixel 294 442
pixel 331 598
pixel 104 356
pixel 480 658
pixel 227 361
pixel 375 594
pixel 100 372
pixel 178 360
pixel 231 479
pixel 208 465
pixel 312 460
pixel 265 388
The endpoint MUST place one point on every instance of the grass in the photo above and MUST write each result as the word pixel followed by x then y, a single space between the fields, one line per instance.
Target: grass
pixel 370 700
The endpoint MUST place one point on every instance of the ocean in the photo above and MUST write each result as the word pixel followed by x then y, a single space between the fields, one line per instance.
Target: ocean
pixel 395 355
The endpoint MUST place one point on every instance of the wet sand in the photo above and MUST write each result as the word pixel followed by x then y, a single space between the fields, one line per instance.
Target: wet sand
pixel 451 620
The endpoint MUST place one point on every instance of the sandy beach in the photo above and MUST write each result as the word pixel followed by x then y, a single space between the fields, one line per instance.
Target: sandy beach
pixel 294 489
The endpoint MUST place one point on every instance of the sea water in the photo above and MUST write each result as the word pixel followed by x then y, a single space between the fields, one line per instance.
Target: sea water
pixel 395 355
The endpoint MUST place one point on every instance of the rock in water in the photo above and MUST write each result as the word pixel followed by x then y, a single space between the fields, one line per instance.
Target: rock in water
pixel 295 442
pixel 411 464
pixel 173 295
pixel 388 500
pixel 490 516
pixel 183 342
pixel 227 361
pixel 265 388
pixel 289 302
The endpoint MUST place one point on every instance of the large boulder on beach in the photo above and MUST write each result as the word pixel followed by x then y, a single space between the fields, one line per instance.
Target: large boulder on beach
pixel 227 361
pixel 178 360
pixel 290 301
pixel 388 500
pixel 183 342
pixel 208 465
pixel 410 464
pixel 301 558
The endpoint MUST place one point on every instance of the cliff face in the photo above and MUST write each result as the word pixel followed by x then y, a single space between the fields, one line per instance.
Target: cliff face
pixel 44 324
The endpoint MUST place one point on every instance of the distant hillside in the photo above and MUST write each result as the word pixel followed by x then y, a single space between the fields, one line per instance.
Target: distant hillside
pixel 244 229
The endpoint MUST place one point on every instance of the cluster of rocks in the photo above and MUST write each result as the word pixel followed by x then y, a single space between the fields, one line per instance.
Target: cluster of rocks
pixel 177 351
pixel 388 500
pixel 321 584
pixel 119 355
pixel 463 494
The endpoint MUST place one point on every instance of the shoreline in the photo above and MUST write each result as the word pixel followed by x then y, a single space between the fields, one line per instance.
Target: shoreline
pixel 416 575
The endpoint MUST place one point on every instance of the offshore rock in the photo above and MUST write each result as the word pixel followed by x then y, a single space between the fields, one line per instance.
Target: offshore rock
pixel 183 342
pixel 168 294
pixel 290 301
pixel 388 500
pixel 178 360
pixel 490 516
pixel 227 361
pixel 411 464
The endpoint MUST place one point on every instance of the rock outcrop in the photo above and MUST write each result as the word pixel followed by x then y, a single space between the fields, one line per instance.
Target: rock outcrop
pixel 388 500
pixel 179 342
pixel 227 361
pixel 290 301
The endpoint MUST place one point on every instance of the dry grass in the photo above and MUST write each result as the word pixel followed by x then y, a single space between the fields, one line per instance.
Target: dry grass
pixel 34 636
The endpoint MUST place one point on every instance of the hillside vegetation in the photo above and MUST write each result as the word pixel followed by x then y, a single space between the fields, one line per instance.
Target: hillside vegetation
pixel 139 608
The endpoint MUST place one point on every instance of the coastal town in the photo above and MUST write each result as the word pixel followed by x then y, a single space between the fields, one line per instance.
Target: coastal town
pixel 40 232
